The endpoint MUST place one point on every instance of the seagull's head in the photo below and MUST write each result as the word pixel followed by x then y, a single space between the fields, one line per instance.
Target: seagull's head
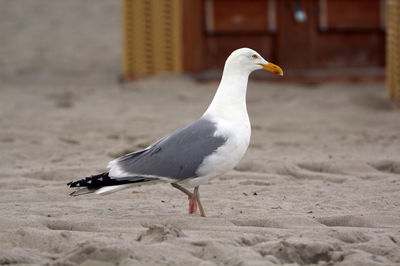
pixel 245 59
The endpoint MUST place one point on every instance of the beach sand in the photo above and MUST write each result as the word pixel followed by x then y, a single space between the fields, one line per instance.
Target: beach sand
pixel 319 184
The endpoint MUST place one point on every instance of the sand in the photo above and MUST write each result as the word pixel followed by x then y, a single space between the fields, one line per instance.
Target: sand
pixel 319 184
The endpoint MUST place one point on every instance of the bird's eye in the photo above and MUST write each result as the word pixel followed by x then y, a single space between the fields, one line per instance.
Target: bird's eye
pixel 254 56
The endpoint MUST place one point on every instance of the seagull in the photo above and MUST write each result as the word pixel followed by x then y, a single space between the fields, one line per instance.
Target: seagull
pixel 192 155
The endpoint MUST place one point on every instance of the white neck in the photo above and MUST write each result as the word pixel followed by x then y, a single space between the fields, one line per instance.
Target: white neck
pixel 230 99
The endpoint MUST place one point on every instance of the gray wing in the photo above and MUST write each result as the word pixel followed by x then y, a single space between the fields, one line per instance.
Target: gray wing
pixel 176 156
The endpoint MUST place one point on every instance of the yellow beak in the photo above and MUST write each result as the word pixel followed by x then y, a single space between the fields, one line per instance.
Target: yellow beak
pixel 272 68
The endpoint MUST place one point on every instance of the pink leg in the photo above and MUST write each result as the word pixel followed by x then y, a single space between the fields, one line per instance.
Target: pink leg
pixel 191 197
pixel 196 196
pixel 192 205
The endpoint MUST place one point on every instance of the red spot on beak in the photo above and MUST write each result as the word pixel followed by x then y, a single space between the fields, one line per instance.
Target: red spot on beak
pixel 276 72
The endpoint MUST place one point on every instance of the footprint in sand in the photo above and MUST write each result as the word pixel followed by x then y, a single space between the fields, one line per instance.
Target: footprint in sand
pixel 346 221
pixel 159 233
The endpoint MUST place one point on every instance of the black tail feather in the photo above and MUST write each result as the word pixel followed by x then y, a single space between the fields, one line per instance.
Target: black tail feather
pixel 102 180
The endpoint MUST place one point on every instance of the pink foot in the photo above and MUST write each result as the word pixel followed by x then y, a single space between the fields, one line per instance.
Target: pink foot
pixel 192 205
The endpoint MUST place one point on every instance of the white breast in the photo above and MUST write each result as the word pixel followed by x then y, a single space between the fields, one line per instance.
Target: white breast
pixel 237 134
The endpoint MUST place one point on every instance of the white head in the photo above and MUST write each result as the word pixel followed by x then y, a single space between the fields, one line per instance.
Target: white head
pixel 247 60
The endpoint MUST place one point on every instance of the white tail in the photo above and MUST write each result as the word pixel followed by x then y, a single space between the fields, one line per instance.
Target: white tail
pixel 111 189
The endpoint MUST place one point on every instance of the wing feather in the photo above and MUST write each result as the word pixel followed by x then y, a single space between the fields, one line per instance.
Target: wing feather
pixel 176 156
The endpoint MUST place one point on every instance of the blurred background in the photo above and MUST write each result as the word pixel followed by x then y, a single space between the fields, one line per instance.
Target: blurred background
pixel 313 40
pixel 309 38
pixel 44 40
